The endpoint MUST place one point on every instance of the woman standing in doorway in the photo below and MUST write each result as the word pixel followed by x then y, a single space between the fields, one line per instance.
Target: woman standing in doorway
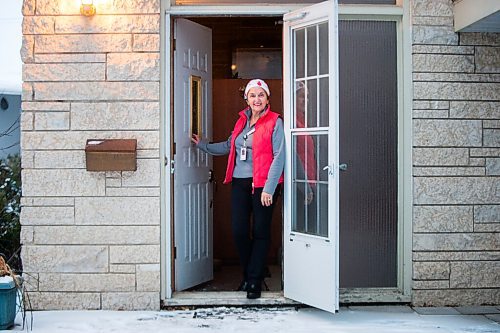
pixel 255 171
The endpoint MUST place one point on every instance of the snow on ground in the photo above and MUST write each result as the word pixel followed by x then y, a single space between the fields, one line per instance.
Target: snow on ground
pixel 263 320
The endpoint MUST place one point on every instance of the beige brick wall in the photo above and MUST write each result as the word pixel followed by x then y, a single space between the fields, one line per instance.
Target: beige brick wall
pixel 91 239
pixel 456 160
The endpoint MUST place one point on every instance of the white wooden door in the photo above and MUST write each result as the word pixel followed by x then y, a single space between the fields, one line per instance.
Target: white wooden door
pixel 311 128
pixel 192 168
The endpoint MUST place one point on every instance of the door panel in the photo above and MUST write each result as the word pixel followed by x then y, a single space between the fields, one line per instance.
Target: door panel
pixel 311 175
pixel 368 145
pixel 192 187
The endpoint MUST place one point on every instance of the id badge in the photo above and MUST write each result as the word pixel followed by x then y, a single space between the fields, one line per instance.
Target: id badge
pixel 243 153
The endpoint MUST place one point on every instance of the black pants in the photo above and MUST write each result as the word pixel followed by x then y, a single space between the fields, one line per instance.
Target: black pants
pixel 252 247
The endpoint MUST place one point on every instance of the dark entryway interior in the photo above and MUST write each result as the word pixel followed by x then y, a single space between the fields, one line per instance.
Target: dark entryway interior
pixel 242 48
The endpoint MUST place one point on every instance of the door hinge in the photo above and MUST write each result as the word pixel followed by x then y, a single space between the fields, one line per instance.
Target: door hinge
pixel 175 252
pixel 174 148
pixel 174 44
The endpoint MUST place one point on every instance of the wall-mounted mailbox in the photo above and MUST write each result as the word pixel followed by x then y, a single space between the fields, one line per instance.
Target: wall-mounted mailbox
pixel 111 154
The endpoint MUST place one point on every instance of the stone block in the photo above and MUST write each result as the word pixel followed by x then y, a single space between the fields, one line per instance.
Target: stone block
pixel 487 214
pixel 131 301
pixel 487 60
pixel 118 24
pixel 491 123
pixel 113 182
pixel 64 7
pixel 52 121
pixel 117 211
pixel 48 215
pixel 27 91
pixel 480 38
pixel 442 219
pixel 65 259
pixel 431 105
pixel 27 235
pixel 455 90
pixel 28 7
pixel 443 63
pixel 67 182
pixel 493 167
pixel 456 190
pixel 443 35
pixel 70 58
pixel 76 139
pixel 433 284
pixel 477 162
pixel 96 235
pixel 448 171
pixel 423 114
pixel 457 256
pixel 487 227
pixel 86 282
pixel 135 254
pixel 146 43
pixel 27 159
pixel 446 49
pixel 475 110
pixel 38 25
pixel 122 268
pixel 147 174
pixel 432 8
pixel 64 72
pixel 27 49
pixel 65 301
pixel 133 67
pixel 438 132
pixel 440 156
pixel 48 201
pixel 491 137
pixel 133 191
pixel 30 281
pixel 60 159
pixel 431 270
pixel 148 277
pixel 455 297
pixel 475 274
pixel 90 43
pixel 97 91
pixel 456 242
pixel 432 21
pixel 148 153
pixel 45 106
pixel 485 152
pixel 139 115
pixel 27 121
pixel 456 77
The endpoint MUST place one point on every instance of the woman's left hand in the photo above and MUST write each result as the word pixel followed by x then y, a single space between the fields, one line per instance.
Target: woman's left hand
pixel 266 199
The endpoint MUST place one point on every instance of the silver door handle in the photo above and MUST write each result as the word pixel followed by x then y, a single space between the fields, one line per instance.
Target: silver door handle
pixel 329 168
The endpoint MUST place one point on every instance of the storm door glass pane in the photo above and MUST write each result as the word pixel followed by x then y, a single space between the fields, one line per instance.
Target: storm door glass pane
pixel 300 48
pixel 312 51
pixel 310 184
pixel 323 48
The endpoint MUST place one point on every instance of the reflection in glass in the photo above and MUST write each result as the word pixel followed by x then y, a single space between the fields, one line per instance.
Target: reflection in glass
pixel 310 192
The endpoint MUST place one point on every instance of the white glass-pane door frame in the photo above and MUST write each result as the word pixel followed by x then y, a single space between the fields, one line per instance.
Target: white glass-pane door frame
pixel 311 261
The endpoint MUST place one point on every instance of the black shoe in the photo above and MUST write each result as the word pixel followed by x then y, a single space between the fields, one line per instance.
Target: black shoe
pixel 243 286
pixel 253 291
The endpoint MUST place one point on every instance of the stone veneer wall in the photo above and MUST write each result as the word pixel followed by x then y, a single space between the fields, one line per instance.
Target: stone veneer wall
pixel 91 239
pixel 456 160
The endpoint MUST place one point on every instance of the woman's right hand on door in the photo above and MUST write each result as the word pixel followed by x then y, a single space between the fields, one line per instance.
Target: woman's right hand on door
pixel 195 139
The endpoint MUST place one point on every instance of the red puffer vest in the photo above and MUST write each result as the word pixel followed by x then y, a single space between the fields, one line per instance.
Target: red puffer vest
pixel 262 147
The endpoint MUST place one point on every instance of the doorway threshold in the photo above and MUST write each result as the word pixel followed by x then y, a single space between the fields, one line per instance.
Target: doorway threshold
pixel 226 298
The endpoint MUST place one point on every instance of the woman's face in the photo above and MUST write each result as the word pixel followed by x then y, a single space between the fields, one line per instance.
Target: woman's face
pixel 257 99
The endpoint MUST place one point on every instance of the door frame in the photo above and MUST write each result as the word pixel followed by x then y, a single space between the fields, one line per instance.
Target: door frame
pixel 400 13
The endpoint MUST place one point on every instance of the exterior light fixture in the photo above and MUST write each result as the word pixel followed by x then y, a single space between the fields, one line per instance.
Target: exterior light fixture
pixel 87 7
